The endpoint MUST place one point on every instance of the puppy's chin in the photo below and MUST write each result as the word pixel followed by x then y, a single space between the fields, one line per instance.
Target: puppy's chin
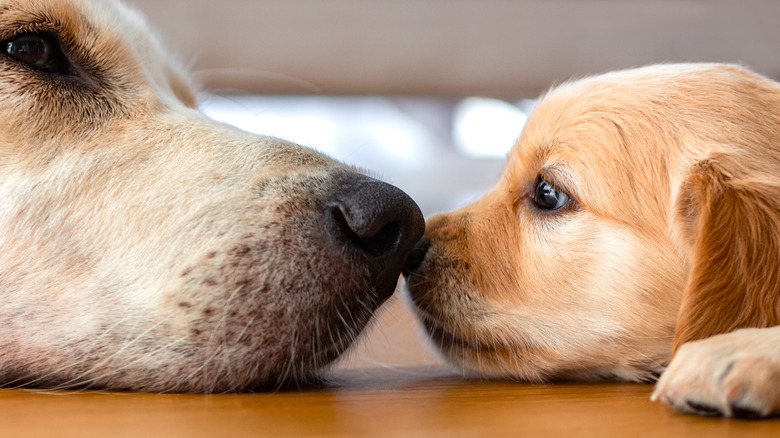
pixel 476 356
pixel 492 353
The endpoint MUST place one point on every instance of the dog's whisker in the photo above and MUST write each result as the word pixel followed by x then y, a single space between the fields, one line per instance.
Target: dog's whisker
pixel 258 74
pixel 56 372
pixel 82 380
pixel 225 364
pixel 289 376
pixel 211 344
pixel 247 326
pixel 125 346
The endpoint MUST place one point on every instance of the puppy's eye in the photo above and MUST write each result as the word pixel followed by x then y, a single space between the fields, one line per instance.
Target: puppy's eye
pixel 548 197
pixel 39 51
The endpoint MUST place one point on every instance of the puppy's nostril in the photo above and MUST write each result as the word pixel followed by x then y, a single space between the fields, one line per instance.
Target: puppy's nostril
pixel 416 257
pixel 377 243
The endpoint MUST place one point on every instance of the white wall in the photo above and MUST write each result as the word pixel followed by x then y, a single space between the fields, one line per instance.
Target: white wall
pixel 511 48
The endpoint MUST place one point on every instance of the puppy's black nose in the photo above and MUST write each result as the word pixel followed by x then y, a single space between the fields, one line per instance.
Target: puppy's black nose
pixel 380 222
pixel 416 257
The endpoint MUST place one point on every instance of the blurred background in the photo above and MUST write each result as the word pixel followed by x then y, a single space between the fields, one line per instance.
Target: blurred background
pixel 430 94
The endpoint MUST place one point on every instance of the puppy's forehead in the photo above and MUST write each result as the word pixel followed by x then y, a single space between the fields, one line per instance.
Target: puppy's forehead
pixel 607 140
pixel 643 113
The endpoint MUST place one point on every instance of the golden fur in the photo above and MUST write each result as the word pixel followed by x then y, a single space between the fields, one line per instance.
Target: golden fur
pixel 146 247
pixel 671 234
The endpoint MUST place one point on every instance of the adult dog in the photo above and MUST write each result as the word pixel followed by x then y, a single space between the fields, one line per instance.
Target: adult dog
pixel 638 211
pixel 146 247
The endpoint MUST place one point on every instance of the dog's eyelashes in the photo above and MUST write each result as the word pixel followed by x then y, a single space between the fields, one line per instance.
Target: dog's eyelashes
pixel 547 197
pixel 39 51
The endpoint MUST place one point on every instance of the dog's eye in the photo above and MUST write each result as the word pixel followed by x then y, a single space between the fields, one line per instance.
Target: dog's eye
pixel 39 51
pixel 548 197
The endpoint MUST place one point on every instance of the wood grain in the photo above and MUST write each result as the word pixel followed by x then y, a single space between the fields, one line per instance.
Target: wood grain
pixel 404 402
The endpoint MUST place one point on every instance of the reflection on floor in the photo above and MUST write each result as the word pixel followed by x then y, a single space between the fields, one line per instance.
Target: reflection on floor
pixel 424 146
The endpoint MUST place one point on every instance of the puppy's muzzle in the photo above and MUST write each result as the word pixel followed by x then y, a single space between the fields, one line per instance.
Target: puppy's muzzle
pixel 380 223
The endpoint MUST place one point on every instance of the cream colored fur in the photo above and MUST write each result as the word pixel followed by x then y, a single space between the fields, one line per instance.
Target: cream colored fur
pixel 144 246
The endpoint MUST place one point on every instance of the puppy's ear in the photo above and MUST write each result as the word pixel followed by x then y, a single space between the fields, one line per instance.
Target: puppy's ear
pixel 729 221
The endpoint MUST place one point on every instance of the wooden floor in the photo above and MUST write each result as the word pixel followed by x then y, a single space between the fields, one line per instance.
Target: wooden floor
pixel 408 402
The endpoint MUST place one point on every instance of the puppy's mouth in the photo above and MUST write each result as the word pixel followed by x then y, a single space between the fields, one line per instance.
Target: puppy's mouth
pixel 447 339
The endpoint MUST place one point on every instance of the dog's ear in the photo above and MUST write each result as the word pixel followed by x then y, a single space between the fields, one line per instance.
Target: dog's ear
pixel 729 221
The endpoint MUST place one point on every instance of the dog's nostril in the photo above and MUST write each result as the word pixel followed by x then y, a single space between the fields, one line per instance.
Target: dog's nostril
pixel 377 243
pixel 377 218
pixel 416 257
pixel 378 224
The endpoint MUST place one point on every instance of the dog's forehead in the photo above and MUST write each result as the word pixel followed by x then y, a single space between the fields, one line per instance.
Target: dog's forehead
pixel 580 128
pixel 84 20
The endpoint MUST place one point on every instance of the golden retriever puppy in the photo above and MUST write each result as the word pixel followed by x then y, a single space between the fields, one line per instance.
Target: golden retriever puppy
pixel 146 247
pixel 638 211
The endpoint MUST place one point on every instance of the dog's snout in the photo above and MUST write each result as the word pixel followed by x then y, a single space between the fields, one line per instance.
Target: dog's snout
pixel 380 222
pixel 376 217
pixel 416 257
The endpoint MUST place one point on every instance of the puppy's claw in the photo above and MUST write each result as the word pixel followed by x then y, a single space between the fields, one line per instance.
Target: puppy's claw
pixel 703 408
pixel 733 375
pixel 746 413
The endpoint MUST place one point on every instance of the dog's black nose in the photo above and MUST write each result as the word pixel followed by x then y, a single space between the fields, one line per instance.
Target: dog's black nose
pixel 416 257
pixel 381 222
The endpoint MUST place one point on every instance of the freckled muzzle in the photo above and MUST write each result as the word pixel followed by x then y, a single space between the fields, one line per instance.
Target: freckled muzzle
pixel 293 294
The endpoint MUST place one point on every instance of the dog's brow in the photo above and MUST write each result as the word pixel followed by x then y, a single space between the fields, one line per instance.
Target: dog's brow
pixel 561 175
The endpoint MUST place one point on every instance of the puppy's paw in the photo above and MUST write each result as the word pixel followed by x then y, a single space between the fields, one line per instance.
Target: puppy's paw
pixel 734 375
